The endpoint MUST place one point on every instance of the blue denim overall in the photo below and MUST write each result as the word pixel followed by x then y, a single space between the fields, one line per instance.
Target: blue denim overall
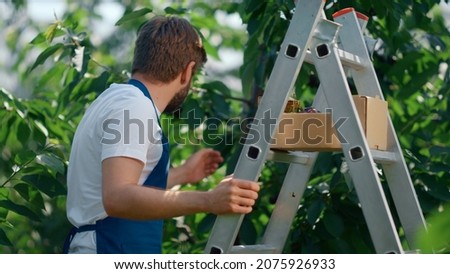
pixel 123 236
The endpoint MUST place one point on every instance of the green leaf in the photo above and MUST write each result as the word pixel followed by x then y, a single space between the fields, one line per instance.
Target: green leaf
pixel 438 190
pixel 6 94
pixel 4 239
pixel 12 141
pixel 22 189
pixel 170 10
pixel 33 169
pixel 314 211
pixel 45 183
pixel 40 133
pixel 4 129
pixel 51 161
pixel 23 131
pixel 217 85
pixel 99 84
pixel 247 74
pixel 133 16
pixel 19 209
pixel 40 38
pixel 51 31
pixel 48 79
pixel 3 213
pixel 31 195
pixel 253 5
pixel 46 54
pixel 333 224
pixel 24 156
pixel 54 125
pixel 220 107
pixel 192 113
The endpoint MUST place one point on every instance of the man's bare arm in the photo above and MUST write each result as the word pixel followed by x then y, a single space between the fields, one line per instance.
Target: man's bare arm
pixel 123 197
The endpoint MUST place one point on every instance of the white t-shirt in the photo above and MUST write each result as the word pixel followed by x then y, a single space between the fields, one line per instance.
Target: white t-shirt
pixel 120 122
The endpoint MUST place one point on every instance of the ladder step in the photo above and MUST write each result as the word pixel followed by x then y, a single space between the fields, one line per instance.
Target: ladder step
pixel 383 157
pixel 253 249
pixel 282 156
pixel 348 59
pixel 299 157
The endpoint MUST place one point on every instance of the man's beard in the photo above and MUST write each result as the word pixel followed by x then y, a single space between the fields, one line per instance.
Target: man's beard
pixel 177 100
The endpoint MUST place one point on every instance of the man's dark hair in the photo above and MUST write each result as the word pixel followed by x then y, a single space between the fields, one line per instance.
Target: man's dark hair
pixel 165 46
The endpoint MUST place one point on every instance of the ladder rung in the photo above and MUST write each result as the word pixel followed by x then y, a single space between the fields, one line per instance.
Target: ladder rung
pixel 288 157
pixel 383 157
pixel 253 249
pixel 379 156
pixel 348 59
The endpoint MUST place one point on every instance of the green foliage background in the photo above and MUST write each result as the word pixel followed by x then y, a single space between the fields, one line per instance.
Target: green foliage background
pixel 63 69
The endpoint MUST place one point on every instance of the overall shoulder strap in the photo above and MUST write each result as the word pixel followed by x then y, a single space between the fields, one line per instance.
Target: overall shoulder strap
pixel 144 90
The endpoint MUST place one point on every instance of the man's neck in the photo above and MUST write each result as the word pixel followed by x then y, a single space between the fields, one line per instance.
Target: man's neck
pixel 161 93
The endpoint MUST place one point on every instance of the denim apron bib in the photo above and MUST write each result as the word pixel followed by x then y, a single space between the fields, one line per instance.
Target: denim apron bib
pixel 123 236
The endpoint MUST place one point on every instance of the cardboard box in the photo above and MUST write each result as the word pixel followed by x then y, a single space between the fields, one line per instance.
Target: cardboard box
pixel 314 132
pixel 307 132
pixel 373 114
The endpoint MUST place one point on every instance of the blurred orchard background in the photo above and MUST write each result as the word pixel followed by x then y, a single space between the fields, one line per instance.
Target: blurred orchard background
pixel 57 56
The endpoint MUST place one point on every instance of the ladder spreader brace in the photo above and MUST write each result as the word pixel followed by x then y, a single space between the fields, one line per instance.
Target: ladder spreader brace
pixel 336 48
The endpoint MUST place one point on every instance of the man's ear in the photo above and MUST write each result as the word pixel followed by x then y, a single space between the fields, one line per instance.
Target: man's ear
pixel 187 73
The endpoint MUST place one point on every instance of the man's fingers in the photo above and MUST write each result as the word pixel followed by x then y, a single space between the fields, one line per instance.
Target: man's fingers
pixel 246 192
pixel 215 156
pixel 242 209
pixel 212 166
pixel 236 195
pixel 245 201
pixel 246 184
pixel 214 159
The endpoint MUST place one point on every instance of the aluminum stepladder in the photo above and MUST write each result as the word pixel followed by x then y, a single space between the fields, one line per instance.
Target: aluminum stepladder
pixel 335 48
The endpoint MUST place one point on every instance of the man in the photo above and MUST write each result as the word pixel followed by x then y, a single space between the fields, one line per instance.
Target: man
pixel 119 164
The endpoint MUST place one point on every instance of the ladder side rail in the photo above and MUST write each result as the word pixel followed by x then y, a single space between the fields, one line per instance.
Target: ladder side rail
pixel 396 172
pixel 287 203
pixel 355 148
pixel 351 39
pixel 281 81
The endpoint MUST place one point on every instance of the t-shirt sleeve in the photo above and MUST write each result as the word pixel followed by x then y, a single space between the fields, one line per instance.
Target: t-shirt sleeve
pixel 130 130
